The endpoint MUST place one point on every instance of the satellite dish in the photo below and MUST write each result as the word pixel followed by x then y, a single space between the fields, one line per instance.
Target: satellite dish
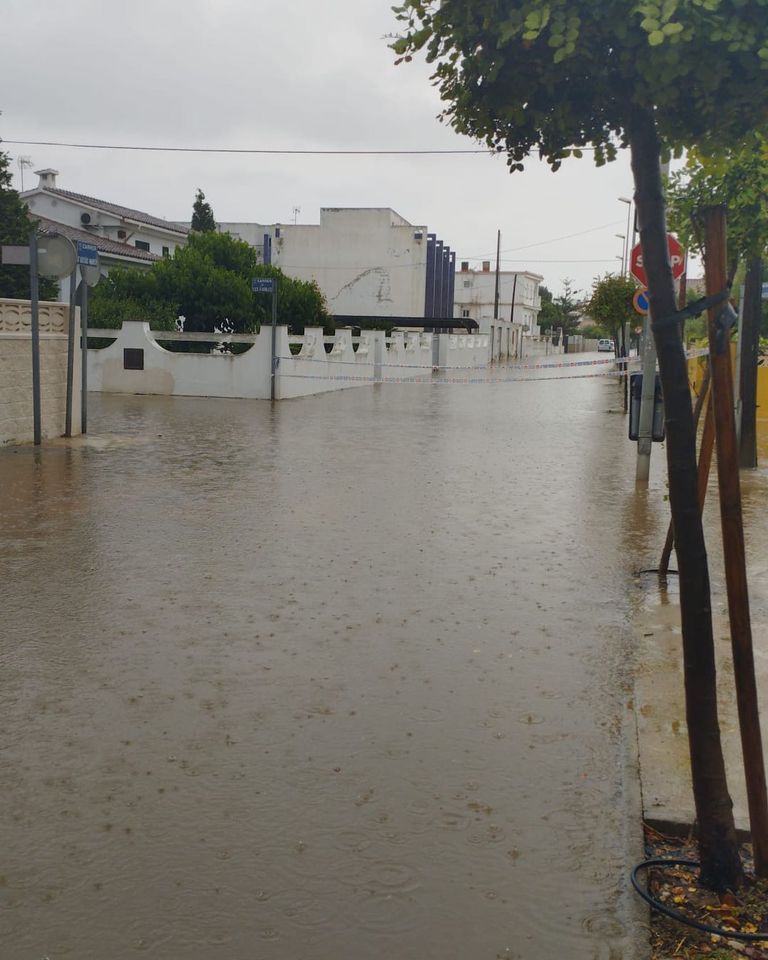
pixel 90 274
pixel 56 256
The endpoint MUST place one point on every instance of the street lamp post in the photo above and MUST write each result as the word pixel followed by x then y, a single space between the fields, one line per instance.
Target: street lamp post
pixel 629 236
pixel 623 238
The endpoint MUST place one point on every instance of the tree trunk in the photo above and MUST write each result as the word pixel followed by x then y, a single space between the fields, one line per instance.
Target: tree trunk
pixel 705 461
pixel 750 334
pixel 719 854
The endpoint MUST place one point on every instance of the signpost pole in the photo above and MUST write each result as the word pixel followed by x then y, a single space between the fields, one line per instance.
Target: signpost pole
pixel 645 428
pixel 34 296
pixel 274 340
pixel 71 351
pixel 83 353
pixel 88 261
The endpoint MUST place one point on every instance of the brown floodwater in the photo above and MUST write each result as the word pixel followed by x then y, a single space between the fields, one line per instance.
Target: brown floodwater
pixel 347 678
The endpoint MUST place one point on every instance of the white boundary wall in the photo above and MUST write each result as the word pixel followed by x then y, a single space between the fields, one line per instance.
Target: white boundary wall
pixel 16 415
pixel 311 370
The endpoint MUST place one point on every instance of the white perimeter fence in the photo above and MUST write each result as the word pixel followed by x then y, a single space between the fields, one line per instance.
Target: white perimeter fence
pixel 137 362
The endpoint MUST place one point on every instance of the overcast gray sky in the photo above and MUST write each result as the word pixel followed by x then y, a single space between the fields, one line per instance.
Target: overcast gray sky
pixel 301 74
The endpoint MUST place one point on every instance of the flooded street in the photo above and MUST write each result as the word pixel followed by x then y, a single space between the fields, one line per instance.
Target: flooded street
pixel 348 678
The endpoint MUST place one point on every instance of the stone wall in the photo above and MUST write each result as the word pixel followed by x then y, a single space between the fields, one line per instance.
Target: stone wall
pixel 16 419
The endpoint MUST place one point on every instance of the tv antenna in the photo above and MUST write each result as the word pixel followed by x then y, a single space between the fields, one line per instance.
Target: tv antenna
pixel 23 162
pixel 296 212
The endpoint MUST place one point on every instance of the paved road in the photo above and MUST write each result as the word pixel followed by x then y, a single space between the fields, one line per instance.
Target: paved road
pixel 347 678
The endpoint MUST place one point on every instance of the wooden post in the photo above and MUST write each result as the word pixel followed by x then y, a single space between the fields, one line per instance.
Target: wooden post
pixel 733 542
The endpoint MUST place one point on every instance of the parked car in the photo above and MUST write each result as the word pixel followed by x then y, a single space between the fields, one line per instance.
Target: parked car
pixel 605 346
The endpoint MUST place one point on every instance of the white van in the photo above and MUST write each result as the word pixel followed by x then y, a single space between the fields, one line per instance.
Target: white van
pixel 605 346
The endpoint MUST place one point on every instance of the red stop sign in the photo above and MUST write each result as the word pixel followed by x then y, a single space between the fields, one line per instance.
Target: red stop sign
pixel 676 258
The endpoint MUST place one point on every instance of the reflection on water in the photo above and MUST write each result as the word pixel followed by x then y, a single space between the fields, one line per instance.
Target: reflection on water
pixel 342 679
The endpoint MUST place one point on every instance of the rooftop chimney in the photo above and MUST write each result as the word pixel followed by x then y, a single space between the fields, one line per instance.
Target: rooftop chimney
pixel 47 179
pixel 465 266
pixel 486 266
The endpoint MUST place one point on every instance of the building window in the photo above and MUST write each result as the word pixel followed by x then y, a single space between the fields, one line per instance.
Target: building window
pixel 465 314
pixel 166 251
pixel 141 245
pixel 467 283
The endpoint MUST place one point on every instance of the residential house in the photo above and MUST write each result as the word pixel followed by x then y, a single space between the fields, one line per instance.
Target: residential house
pixel 518 307
pixel 122 234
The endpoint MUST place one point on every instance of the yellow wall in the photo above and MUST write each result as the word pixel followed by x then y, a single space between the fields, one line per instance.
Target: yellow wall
pixel 696 373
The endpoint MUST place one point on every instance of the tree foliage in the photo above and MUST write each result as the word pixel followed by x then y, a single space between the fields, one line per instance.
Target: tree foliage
pixel 561 311
pixel 202 214
pixel 736 179
pixel 15 227
pixel 559 75
pixel 208 283
pixel 610 305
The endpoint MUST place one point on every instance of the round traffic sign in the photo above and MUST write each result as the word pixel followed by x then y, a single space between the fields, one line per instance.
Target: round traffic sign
pixel 56 256
pixel 640 300
pixel 676 259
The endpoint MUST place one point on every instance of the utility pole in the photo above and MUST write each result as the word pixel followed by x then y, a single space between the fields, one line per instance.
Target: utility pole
pixel 496 294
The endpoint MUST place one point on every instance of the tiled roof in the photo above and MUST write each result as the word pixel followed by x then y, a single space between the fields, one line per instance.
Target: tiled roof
pixel 114 208
pixel 103 244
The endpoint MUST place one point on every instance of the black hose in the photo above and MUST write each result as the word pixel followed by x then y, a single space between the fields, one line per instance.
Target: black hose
pixel 681 917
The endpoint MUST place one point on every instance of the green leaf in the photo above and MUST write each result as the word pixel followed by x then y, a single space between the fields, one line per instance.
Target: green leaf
pixel 655 38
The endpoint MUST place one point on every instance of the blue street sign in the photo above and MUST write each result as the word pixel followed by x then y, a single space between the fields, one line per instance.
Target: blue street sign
pixel 765 291
pixel 640 301
pixel 263 284
pixel 87 254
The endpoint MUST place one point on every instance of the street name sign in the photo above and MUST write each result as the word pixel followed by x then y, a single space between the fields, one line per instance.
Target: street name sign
pixel 263 284
pixel 87 254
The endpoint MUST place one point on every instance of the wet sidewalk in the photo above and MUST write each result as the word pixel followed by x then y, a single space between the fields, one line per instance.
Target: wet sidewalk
pixel 663 733
pixel 347 678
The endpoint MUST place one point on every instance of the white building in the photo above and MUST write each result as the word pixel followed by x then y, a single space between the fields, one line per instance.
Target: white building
pixel 518 309
pixel 368 262
pixel 123 235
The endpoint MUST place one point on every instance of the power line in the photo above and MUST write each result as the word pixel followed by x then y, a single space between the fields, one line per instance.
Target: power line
pixel 258 150
pixel 245 150
pixel 541 243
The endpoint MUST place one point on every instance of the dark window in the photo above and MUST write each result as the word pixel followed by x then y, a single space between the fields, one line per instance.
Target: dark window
pixel 133 358
pixel 166 251
pixel 465 313
pixel 277 232
pixel 141 245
